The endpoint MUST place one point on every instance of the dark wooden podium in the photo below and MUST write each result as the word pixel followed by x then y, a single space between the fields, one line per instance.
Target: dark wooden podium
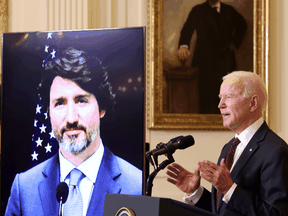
pixel 149 206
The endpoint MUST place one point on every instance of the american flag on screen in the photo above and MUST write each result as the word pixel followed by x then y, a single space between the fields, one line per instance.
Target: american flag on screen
pixel 44 143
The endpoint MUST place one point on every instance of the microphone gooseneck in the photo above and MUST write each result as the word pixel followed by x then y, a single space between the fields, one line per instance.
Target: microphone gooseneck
pixel 174 144
pixel 168 149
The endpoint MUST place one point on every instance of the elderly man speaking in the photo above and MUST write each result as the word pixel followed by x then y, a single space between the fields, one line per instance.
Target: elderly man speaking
pixel 251 175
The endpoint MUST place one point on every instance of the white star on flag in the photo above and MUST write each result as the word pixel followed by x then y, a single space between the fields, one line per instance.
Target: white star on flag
pixel 49 35
pixel 53 53
pixel 39 142
pixel 38 109
pixel 43 128
pixel 48 148
pixel 34 156
pixel 35 123
pixel 46 115
pixel 46 48
pixel 52 135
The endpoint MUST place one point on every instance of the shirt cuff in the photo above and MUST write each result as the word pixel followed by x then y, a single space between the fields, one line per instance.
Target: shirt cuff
pixel 192 198
pixel 229 194
pixel 184 45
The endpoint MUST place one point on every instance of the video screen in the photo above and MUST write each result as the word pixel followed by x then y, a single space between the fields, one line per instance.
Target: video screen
pixel 74 94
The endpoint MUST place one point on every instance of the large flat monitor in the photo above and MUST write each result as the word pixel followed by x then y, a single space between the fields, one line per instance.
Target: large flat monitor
pixel 27 138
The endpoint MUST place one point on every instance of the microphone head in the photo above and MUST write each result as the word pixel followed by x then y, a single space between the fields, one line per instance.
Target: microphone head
pixel 176 139
pixel 186 142
pixel 62 191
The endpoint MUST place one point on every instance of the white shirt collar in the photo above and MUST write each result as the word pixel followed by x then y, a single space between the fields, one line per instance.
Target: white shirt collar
pixel 217 5
pixel 93 161
pixel 246 135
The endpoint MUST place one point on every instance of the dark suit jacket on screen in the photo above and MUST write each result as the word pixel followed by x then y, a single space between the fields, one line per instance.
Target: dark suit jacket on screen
pixel 34 191
pixel 261 174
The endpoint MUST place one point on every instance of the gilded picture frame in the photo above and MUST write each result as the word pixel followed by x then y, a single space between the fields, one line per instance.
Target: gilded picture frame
pixel 156 118
pixel 3 27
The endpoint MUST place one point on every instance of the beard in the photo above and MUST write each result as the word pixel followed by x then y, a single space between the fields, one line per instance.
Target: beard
pixel 72 145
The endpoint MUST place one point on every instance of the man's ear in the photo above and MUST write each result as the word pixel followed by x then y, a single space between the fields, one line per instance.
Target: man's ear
pixel 254 104
pixel 102 113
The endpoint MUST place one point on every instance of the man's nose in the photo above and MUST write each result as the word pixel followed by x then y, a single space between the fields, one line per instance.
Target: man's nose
pixel 72 113
pixel 221 103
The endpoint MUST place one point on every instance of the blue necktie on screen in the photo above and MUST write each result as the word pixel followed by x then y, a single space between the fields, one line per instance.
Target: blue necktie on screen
pixel 74 204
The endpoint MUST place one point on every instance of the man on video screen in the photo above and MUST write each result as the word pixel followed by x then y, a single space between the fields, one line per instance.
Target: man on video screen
pixel 76 90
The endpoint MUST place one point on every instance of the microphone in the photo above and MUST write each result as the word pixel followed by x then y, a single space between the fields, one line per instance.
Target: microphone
pixel 179 142
pixel 62 195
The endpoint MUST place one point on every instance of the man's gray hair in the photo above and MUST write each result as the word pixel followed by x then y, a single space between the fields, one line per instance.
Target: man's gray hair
pixel 252 83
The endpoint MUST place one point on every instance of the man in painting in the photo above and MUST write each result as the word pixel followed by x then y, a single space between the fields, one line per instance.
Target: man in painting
pixel 76 89
pixel 251 176
pixel 220 30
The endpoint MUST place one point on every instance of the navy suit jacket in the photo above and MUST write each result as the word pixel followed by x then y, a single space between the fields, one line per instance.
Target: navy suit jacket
pixel 261 174
pixel 34 191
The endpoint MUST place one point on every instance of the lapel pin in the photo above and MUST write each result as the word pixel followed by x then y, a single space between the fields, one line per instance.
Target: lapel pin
pixel 250 150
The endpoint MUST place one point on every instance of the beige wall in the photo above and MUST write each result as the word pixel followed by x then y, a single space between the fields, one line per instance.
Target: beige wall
pixel 36 15
pixel 43 15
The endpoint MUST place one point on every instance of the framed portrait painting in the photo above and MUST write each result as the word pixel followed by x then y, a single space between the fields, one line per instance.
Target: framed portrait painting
pixel 184 86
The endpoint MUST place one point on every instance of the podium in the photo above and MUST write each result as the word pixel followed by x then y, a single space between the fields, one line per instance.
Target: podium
pixel 120 204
